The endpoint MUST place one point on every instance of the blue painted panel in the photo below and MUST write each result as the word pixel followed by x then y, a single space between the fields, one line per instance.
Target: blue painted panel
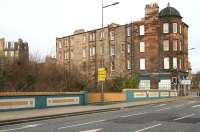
pixel 129 95
pixel 16 97
pixel 62 96
pixel 40 102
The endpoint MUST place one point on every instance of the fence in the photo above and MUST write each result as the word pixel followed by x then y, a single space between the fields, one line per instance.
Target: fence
pixel 133 94
pixel 130 95
pixel 108 97
pixel 38 100
pixel 31 100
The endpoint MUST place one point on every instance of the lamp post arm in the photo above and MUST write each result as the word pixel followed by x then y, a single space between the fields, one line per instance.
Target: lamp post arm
pixel 110 4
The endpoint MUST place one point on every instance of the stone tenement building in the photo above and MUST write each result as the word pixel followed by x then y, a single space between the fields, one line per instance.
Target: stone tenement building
pixel 14 50
pixel 155 48
pixel 196 81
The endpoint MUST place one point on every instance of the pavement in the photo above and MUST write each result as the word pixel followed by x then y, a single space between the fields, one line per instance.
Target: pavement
pixel 177 116
pixel 14 117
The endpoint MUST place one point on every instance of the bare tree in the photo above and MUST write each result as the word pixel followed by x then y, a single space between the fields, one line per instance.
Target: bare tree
pixel 20 75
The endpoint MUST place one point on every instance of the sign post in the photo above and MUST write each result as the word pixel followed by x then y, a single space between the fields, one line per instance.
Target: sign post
pixel 185 84
pixel 101 78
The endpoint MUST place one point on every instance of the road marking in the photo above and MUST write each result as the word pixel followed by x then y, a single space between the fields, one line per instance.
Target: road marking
pixel 166 108
pixel 183 117
pixel 144 129
pixel 134 114
pixel 20 128
pixel 93 130
pixel 76 125
pixel 177 106
pixel 160 105
pixel 196 106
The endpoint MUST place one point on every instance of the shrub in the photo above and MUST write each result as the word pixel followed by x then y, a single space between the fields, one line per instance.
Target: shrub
pixel 132 82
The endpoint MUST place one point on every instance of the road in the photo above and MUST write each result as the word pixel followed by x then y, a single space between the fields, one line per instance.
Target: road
pixel 180 116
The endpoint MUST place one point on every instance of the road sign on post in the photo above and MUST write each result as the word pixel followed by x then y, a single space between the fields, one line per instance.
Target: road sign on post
pixel 186 82
pixel 101 78
pixel 101 74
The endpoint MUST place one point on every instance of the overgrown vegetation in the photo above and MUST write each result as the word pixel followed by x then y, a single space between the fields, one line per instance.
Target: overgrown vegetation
pixel 119 83
pixel 132 82
pixel 21 76
pixel 30 76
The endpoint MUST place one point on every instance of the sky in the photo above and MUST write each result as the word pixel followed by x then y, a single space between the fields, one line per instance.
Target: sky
pixel 39 22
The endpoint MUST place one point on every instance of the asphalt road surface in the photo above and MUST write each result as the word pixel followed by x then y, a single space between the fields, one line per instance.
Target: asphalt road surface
pixel 180 116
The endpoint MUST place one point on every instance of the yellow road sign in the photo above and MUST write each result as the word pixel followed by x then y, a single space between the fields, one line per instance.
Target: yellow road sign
pixel 101 79
pixel 101 69
pixel 101 74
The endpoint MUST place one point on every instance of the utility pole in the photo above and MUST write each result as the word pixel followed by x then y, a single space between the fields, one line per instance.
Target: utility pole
pixel 102 65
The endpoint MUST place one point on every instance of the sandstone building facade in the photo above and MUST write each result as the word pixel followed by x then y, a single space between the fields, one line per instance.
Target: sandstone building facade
pixel 155 48
pixel 14 50
pixel 196 81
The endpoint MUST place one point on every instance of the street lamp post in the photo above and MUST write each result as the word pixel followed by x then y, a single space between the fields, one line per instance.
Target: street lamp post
pixel 102 7
pixel 102 19
pixel 181 88
pixel 192 49
pixel 189 74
